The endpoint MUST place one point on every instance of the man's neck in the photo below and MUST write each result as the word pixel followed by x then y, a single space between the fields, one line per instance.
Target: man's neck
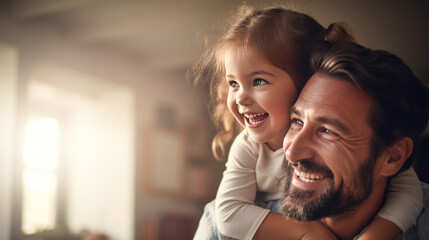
pixel 346 227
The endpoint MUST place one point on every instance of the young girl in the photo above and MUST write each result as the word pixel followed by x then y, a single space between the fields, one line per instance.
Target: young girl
pixel 256 70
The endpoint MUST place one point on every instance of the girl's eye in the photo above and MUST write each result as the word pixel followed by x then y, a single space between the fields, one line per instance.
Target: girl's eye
pixel 259 82
pixel 233 84
pixel 328 134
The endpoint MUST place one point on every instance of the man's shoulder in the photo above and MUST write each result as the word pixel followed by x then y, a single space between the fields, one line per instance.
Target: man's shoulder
pixel 420 230
pixel 425 188
pixel 425 211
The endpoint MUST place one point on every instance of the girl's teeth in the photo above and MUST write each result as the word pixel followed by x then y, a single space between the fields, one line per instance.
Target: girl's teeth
pixel 256 122
pixel 250 116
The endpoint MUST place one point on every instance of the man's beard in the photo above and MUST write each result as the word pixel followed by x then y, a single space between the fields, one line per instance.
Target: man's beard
pixel 331 202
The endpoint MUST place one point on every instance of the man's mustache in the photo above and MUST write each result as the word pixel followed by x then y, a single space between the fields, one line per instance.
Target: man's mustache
pixel 310 166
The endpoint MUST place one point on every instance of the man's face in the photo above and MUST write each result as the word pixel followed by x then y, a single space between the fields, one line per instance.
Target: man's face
pixel 328 150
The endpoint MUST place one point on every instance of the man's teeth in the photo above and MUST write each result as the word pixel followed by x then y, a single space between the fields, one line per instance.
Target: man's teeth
pixel 309 177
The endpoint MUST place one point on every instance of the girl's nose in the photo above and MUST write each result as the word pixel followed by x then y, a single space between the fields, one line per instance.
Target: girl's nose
pixel 243 98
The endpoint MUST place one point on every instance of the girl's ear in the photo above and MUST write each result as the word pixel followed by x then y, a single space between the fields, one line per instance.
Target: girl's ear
pixel 398 153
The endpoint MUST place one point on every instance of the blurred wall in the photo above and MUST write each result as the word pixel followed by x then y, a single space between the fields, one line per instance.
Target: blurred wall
pixel 8 111
pixel 401 27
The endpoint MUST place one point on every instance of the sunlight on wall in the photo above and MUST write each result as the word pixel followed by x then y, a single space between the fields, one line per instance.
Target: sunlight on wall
pixel 97 132
pixel 101 165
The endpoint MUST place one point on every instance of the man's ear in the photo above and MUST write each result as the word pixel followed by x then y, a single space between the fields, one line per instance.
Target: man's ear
pixel 398 153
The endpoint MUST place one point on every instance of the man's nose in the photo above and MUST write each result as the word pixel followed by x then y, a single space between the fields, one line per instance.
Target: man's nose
pixel 298 145
pixel 243 97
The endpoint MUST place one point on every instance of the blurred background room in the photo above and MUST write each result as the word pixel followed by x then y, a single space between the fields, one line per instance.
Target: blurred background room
pixel 101 134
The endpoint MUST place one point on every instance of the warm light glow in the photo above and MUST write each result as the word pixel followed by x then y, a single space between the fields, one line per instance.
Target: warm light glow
pixel 39 201
pixel 39 176
pixel 41 144
pixel 39 181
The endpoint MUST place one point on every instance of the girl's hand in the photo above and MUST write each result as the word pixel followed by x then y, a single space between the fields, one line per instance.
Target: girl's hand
pixel 318 231
pixel 381 229
pixel 277 227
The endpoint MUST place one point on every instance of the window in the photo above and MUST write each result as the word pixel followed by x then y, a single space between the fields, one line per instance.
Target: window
pixel 40 175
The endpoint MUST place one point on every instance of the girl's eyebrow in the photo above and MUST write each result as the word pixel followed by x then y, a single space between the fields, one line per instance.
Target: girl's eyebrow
pixel 261 73
pixel 252 74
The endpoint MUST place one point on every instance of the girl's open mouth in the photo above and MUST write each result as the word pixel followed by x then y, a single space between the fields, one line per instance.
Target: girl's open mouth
pixel 255 118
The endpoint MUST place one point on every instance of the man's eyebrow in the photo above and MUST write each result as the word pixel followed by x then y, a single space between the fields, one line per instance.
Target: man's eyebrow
pixel 336 123
pixel 294 110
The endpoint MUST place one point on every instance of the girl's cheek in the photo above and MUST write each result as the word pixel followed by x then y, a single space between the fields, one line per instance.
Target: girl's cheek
pixel 230 104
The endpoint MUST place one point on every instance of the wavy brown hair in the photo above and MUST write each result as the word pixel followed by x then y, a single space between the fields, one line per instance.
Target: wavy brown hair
pixel 400 99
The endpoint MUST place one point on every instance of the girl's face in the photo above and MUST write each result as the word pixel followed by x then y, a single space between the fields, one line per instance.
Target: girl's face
pixel 259 96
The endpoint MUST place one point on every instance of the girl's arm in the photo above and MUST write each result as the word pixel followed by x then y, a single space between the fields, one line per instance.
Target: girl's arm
pixel 404 202
pixel 276 226
pixel 380 228
pixel 236 214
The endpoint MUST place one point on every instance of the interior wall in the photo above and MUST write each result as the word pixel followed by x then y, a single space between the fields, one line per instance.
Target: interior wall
pixel 92 89
pixel 101 165
pixel 400 27
pixel 170 90
pixel 98 103
pixel 8 100
pixel 97 119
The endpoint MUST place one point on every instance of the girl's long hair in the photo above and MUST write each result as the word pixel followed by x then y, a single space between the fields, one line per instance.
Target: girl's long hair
pixel 285 38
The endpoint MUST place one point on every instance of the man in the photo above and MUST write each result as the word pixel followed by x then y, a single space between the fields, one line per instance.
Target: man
pixel 356 123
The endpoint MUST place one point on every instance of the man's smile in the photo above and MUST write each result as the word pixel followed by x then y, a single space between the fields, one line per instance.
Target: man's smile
pixel 309 177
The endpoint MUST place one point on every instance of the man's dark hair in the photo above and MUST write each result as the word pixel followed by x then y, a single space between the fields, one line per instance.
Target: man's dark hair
pixel 400 100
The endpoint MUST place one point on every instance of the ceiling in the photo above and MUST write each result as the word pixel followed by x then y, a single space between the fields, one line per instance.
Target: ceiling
pixel 168 34
pixel 161 34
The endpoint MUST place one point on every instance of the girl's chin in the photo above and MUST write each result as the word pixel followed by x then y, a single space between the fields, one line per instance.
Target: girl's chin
pixel 257 138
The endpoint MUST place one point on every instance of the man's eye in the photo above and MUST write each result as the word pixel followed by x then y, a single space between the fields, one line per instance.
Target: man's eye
pixel 259 82
pixel 296 124
pixel 328 134
pixel 233 84
pixel 297 121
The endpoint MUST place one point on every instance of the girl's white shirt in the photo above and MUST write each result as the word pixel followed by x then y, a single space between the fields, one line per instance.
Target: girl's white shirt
pixel 404 200
pixel 253 172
